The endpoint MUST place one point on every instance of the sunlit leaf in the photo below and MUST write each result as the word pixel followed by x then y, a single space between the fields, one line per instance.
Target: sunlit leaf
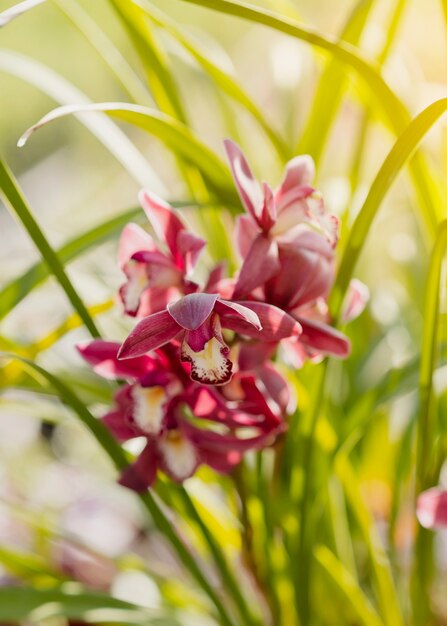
pixel 17 9
pixel 107 50
pixel 223 80
pixel 392 109
pixel 174 134
pixel 14 199
pixel 342 582
pixel 62 91
pixel 24 603
pixel 393 164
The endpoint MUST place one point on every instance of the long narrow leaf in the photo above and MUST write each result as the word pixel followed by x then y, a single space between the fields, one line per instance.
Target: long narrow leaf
pixel 117 456
pixel 14 199
pixel 223 80
pixel 175 135
pixel 18 604
pixel 20 287
pixel 394 162
pixel 63 92
pixel 342 582
pixel 17 9
pixel 429 350
pixel 331 86
pixel 107 50
pixel 393 110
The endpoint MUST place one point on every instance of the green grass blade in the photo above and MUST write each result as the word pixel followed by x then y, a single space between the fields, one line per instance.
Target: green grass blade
pixel 117 456
pixel 19 604
pixel 107 50
pixel 20 287
pixel 171 132
pixel 153 57
pixel 343 583
pixel 392 109
pixel 226 83
pixel 331 88
pixel 404 147
pixel 383 583
pixel 429 353
pixel 228 579
pixel 16 202
pixel 18 9
pixel 63 92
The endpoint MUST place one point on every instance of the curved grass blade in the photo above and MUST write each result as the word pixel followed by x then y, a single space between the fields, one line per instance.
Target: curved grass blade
pixel 25 603
pixel 10 191
pixel 16 10
pixel 343 583
pixel 393 110
pixel 223 80
pixel 330 88
pixel 107 50
pixel 63 92
pixel 171 132
pixel 399 154
pixel 155 61
pixel 117 456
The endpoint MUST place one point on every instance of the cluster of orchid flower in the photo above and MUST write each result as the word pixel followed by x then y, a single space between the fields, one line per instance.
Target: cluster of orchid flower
pixel 202 386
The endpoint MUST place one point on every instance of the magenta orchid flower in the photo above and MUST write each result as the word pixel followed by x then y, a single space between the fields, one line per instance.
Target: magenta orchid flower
pixel 274 217
pixel 432 508
pixel 180 447
pixel 154 404
pixel 155 277
pixel 197 321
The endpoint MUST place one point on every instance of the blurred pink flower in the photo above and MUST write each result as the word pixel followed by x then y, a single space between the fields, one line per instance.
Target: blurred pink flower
pixel 431 508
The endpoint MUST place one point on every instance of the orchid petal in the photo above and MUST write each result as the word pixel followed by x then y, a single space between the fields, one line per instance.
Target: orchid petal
pixel 215 276
pixel 276 385
pixel 323 338
pixel 133 239
pixel 192 310
pixel 148 408
pixel 432 508
pixel 356 300
pixel 276 324
pixel 225 307
pixel 268 215
pixel 300 171
pixel 164 221
pixel 189 247
pixel 103 356
pixel 116 422
pixel 205 349
pixel 247 186
pixel 156 299
pixel 141 474
pixel 260 264
pixel 245 233
pixel 151 333
pixel 179 455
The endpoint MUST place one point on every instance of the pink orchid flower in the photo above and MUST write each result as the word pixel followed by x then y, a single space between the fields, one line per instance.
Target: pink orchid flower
pixel 275 217
pixel 154 277
pixel 153 406
pixel 181 447
pixel 432 508
pixel 197 321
